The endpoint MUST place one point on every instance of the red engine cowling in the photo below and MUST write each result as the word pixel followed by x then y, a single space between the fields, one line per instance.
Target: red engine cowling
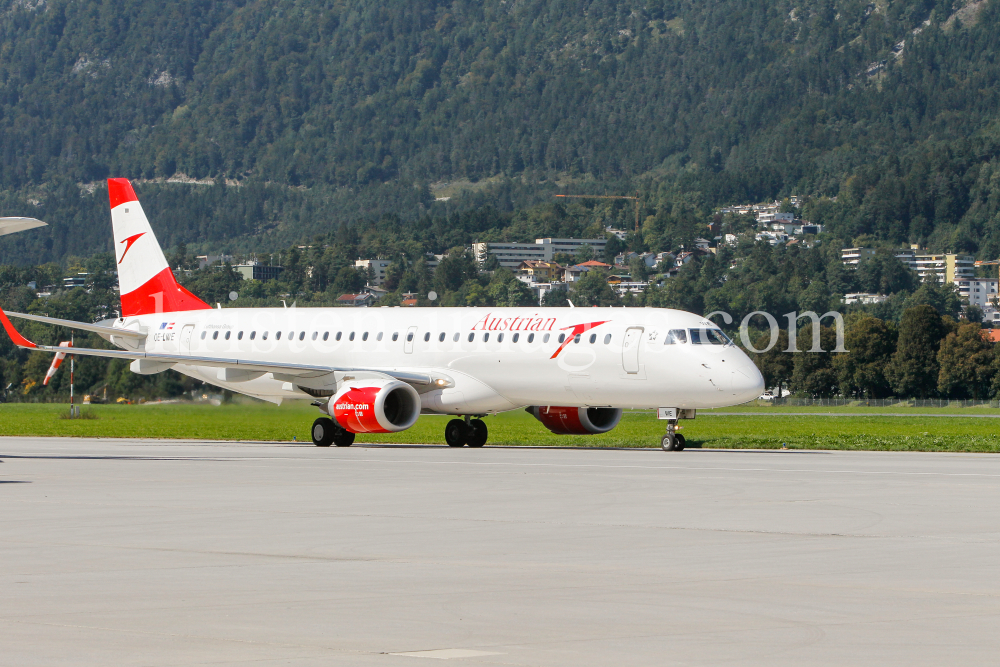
pixel 576 421
pixel 375 407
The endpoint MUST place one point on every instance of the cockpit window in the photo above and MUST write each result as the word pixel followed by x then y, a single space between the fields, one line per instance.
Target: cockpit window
pixel 675 336
pixel 709 337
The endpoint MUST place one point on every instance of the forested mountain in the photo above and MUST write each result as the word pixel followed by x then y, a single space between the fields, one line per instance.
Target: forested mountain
pixel 328 111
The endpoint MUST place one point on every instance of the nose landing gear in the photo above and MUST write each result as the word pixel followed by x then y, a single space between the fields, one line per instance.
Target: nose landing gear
pixel 672 441
pixel 471 432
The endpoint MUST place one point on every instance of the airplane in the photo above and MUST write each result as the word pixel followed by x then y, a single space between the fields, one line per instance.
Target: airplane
pixel 376 370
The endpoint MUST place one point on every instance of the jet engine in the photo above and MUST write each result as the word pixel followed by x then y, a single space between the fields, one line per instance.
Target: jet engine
pixel 576 421
pixel 375 406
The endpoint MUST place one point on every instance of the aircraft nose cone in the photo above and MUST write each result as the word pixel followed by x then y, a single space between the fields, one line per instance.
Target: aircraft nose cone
pixel 748 383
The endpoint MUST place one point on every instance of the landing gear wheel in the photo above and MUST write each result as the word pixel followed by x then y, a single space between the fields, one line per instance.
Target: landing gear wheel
pixel 343 438
pixel 674 443
pixel 455 433
pixel 478 433
pixel 323 430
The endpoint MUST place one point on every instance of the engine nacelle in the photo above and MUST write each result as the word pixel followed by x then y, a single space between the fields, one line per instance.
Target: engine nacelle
pixel 375 406
pixel 576 421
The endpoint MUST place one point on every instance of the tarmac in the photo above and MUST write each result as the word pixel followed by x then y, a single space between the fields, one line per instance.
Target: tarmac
pixel 116 552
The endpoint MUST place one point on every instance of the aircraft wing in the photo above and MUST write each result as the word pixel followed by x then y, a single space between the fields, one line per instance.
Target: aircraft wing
pixel 13 225
pixel 235 369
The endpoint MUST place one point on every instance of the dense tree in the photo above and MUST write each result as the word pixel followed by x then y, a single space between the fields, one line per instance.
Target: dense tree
pixel 965 359
pixel 914 368
pixel 861 371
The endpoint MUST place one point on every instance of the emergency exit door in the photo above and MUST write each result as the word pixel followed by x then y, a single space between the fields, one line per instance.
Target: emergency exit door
pixel 630 349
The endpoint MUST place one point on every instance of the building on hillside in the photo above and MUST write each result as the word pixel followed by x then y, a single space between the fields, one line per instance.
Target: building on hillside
pixel 945 268
pixel 620 233
pixel 376 292
pixel 209 260
pixel 774 216
pixel 574 273
pixel 356 300
pixel 511 255
pixel 863 297
pixel 855 257
pixel 703 244
pixel 634 286
pixel 79 280
pixel 982 292
pixel 540 272
pixel 431 261
pixel 254 270
pixel 806 228
pixel 377 268
pixel 773 238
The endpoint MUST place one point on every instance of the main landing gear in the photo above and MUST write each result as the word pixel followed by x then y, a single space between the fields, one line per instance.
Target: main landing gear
pixel 471 432
pixel 672 441
pixel 326 432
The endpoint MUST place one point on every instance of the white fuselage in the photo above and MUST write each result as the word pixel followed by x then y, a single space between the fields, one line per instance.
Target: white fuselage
pixel 620 360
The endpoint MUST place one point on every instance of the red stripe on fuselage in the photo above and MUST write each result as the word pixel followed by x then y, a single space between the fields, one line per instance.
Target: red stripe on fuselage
pixel 160 294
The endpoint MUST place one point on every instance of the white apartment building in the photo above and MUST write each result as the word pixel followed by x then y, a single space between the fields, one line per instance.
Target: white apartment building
pixel 944 267
pixel 854 257
pixel 982 292
pixel 864 297
pixel 377 266
pixel 511 255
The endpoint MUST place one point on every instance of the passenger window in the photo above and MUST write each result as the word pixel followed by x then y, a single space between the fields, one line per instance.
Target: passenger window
pixel 203 334
pixel 675 336
pixel 499 338
pixel 427 336
pixel 351 337
pixel 455 338
pixel 253 335
pixel 531 338
pixel 277 336
pixel 409 336
pixel 239 336
pixel 486 337
pixel 562 337
pixel 264 337
pixel 441 337
pixel 364 336
pixel 607 339
pixel 302 336
pixel 315 335
pixel 471 336
pixel 228 333
pixel 338 335
pixel 576 339
pixel 395 335
pixel 545 338
pixel 326 335
pixel 379 336
pixel 593 338
pixel 515 337
pixel 215 335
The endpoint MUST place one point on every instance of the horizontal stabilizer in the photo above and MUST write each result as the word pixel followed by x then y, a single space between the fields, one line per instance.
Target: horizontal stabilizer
pixel 82 326
pixel 14 225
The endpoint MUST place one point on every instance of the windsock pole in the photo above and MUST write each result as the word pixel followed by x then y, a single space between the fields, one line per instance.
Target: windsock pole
pixel 71 368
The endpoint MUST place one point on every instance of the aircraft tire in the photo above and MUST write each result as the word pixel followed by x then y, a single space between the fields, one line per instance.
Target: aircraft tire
pixel 479 434
pixel 343 438
pixel 667 443
pixel 323 430
pixel 455 433
pixel 678 443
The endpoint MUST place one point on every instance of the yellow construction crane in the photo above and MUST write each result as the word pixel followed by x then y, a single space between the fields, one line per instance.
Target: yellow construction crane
pixel 636 198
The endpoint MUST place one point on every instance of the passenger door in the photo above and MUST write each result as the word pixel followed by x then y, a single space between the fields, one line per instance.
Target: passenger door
pixel 630 349
pixel 411 333
pixel 186 333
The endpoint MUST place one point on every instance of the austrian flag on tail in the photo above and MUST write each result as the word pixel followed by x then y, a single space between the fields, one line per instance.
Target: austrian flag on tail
pixel 146 282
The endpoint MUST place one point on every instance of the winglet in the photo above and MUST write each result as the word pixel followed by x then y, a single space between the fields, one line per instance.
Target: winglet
pixel 18 339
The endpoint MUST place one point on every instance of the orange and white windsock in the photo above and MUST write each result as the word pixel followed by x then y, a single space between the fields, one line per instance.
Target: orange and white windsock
pixel 56 362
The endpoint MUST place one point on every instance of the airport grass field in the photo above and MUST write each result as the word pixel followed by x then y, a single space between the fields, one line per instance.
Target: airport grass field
pixel 752 428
